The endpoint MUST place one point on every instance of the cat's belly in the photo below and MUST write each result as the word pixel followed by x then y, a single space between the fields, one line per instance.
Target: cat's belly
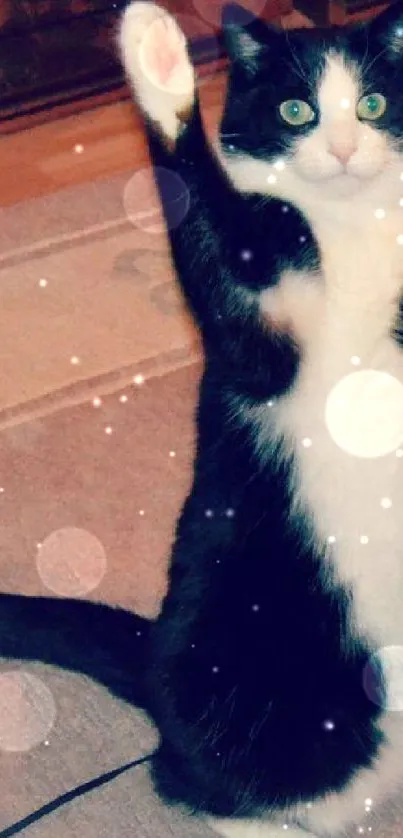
pixel 343 422
pixel 346 434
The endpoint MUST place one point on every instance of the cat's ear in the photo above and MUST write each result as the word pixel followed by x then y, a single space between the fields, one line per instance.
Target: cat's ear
pixel 388 28
pixel 244 36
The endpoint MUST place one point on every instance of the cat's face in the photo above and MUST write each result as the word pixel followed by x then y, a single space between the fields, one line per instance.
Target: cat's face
pixel 315 110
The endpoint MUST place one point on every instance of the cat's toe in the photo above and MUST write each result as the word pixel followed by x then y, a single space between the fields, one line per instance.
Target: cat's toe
pixel 255 829
pixel 155 56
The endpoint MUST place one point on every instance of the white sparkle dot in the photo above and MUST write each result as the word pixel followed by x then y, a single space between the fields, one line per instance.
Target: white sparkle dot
pixel 364 539
pixel 209 513
pixel 108 430
pixel 386 503
pixel 192 646
pixel 399 32
pixel 46 742
pixel 285 208
pixel 272 179
pixel 97 402
pixel 331 539
pixel 1 489
pixel 379 213
pixel 230 513
pixel 138 379
pixel 356 361
pixel 270 403
pixel 399 238
pixel 43 283
pixel 368 809
pixel 255 608
pixel 141 512
pixel 123 398
pixel 172 453
pixel 285 825
pixel 368 801
pixel 231 147
pixel 218 561
pixel 364 413
pixel 302 239
pixel 246 255
pixel 215 669
pixel 329 724
pixel 78 148
pixel 345 103
pixel 309 805
pixel 401 176
pixel 307 442
pixel 360 829
pixel 138 633
pixel 279 165
pixel 38 545
pixel 74 360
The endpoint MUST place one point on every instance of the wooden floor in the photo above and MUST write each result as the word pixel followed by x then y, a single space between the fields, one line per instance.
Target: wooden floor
pixel 81 148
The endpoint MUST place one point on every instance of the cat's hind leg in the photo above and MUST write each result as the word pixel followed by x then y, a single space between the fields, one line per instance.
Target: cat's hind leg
pixel 256 829
pixel 155 57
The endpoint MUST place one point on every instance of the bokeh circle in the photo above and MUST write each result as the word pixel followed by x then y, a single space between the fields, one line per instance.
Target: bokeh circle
pixel 364 413
pixel 27 711
pixel 142 202
pixel 71 562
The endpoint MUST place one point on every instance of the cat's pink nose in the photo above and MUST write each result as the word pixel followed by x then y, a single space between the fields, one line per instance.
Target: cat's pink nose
pixel 343 151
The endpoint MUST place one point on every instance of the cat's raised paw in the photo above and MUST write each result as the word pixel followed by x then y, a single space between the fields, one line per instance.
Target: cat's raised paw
pixel 155 56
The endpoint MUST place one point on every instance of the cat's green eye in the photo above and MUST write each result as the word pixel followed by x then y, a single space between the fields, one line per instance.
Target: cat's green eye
pixel 296 112
pixel 371 107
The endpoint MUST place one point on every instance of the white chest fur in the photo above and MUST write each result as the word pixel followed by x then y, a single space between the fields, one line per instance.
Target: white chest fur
pixel 346 434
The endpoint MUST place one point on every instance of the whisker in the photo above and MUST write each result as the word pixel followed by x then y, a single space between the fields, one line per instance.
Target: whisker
pixel 225 135
pixel 366 49
pixel 365 68
pixel 302 75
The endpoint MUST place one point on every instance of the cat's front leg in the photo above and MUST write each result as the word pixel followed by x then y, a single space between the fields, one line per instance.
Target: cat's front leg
pixel 155 55
pixel 228 247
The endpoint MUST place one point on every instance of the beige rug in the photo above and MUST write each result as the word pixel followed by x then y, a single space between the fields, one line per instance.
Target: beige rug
pixel 86 295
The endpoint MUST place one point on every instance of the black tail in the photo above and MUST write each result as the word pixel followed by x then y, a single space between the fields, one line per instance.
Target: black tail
pixel 108 644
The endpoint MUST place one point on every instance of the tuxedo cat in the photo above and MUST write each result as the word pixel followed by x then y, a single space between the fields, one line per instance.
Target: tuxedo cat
pixel 272 672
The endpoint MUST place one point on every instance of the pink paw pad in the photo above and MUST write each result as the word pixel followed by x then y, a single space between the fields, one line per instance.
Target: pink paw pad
pixel 163 56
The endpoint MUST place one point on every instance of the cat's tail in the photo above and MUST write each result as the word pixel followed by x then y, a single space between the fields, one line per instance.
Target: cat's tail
pixel 107 644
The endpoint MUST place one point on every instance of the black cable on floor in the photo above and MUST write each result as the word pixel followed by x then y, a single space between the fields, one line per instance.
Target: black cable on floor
pixel 78 791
